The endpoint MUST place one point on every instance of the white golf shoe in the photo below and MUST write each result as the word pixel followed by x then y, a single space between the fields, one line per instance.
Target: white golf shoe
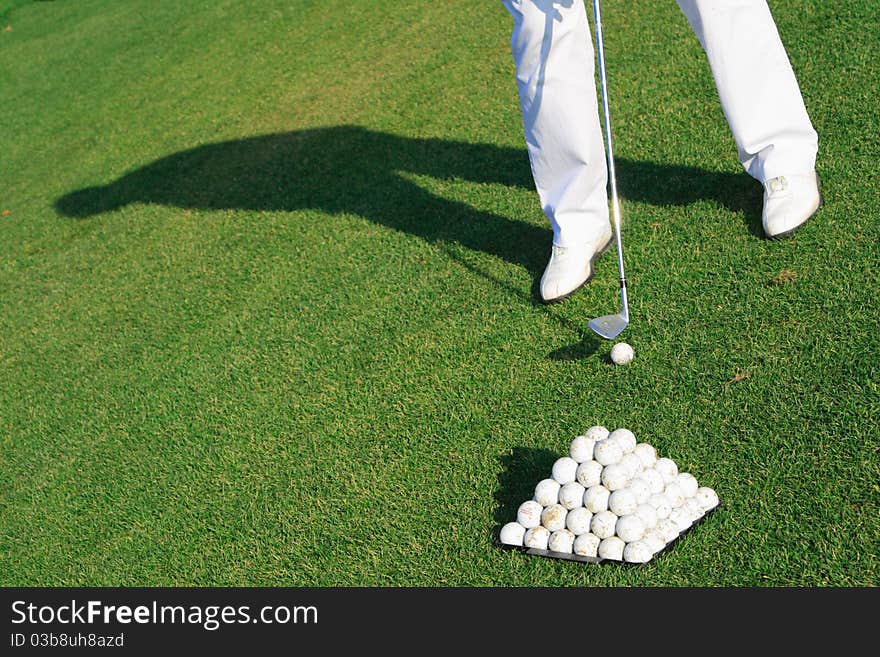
pixel 788 202
pixel 571 267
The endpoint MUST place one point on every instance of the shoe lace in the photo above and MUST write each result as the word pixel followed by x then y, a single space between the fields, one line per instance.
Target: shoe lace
pixel 778 184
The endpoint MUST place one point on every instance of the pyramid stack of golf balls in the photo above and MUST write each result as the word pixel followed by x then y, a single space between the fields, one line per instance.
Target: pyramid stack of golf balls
pixel 610 498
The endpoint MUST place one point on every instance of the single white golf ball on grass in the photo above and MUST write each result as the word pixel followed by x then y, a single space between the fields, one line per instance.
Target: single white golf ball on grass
pixel 614 477
pixel 589 473
pixel 547 492
pixel 553 517
pixel 586 545
pixel 640 489
pixel 581 449
pixel 561 540
pixel 654 480
pixel 612 548
pixel 707 498
pixel 622 353
pixel 667 529
pixel 654 539
pixel 661 505
pixel 647 514
pixel 630 528
pixel 646 453
pixel 596 498
pixel 571 496
pixel 529 514
pixel 622 502
pixel 667 469
pixel 688 483
pixel 512 534
pixel 537 537
pixel 624 438
pixel 564 469
pixel 607 452
pixel 603 524
pixel 637 552
pixel 597 433
pixel 578 521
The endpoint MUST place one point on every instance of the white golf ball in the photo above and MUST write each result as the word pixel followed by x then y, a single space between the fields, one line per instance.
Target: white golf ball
pixel 667 529
pixel 648 515
pixel 622 502
pixel 661 505
pixel 607 452
pixel 612 548
pixel 561 540
pixel 633 464
pixel 624 438
pixel 537 537
pixel 603 524
pixel 586 545
pixel 578 521
pixel 589 473
pixel 512 534
pixel 553 517
pixel 596 498
pixel 681 518
pixel 571 496
pixel 693 508
pixel 674 495
pixel 640 489
pixel 597 433
pixel 547 492
pixel 630 528
pixel 647 454
pixel 614 477
pixel 707 498
pixel 581 449
pixel 529 514
pixel 688 483
pixel 621 353
pixel 654 539
pixel 667 469
pixel 638 552
pixel 654 480
pixel 564 469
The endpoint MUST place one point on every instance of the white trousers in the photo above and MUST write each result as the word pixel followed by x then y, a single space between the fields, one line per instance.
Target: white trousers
pixel 553 53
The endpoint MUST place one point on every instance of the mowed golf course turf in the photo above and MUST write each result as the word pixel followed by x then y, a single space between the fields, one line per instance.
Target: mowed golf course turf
pixel 268 311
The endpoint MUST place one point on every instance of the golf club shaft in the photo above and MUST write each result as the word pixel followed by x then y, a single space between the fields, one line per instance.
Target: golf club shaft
pixel 615 202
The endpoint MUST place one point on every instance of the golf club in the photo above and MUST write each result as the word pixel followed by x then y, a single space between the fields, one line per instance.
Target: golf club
pixel 610 326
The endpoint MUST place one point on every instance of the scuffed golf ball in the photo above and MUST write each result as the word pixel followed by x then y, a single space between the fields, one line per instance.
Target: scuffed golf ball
pixel 667 469
pixel 564 470
pixel 648 515
pixel 581 449
pixel 633 464
pixel 597 433
pixel 621 353
pixel 661 505
pixel 707 498
pixel 607 452
pixel 624 438
pixel 668 529
pixel 596 498
pixel 640 489
pixel 622 502
pixel 647 454
pixel 553 517
pixel 638 552
pixel 630 528
pixel 589 473
pixel 603 524
pixel 681 518
pixel 512 534
pixel 688 483
pixel 547 492
pixel 537 537
pixel 529 514
pixel 654 480
pixel 614 477
pixel 586 545
pixel 571 496
pixel 674 495
pixel 612 548
pixel 561 540
pixel 654 539
pixel 693 508
pixel 578 521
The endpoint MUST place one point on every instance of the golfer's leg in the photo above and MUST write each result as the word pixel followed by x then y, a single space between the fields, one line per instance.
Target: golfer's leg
pixel 756 84
pixel 553 53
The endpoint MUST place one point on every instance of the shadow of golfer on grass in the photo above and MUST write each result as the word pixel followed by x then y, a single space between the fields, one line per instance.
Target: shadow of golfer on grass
pixel 349 169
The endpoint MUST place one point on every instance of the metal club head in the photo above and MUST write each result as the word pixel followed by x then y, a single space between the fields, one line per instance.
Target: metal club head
pixel 609 326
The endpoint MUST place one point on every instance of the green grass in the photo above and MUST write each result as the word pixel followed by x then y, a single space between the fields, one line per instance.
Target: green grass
pixel 267 312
